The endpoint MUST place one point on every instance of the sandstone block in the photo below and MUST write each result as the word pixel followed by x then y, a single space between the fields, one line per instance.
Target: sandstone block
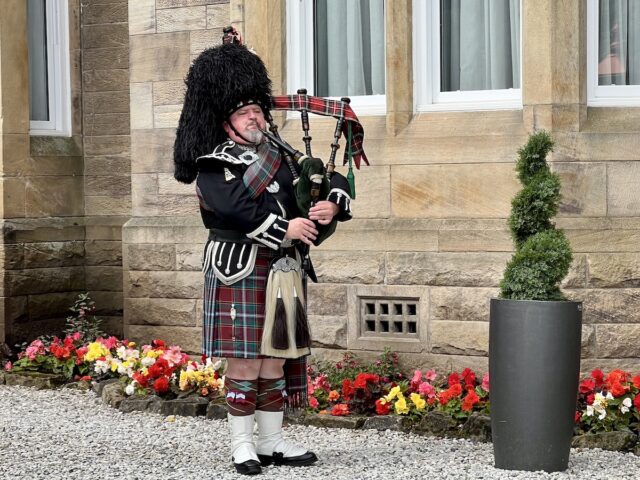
pixel 182 18
pixel 106 124
pixel 596 147
pixel 12 256
pixel 43 280
pixel 104 79
pixel 52 229
pixel 329 421
pixel 373 193
pixel 164 284
pixel 386 422
pixel 53 254
pixel 150 257
pixel 437 424
pixel 44 198
pixel 164 230
pixel 182 3
pixel 171 92
pixel 168 185
pixel 203 39
pixel 101 205
pixel 474 241
pixel 349 267
pixel 218 15
pixel 189 339
pixel 108 145
pixel 583 191
pixel 147 403
pixel 105 36
pixel 161 311
pixel 142 17
pixel 141 105
pixel 622 190
pixel 604 240
pixel 98 58
pixel 477 428
pixel 326 299
pixel 104 278
pixel 460 338
pixel 12 197
pixel 100 252
pixel 474 190
pixel 166 116
pixel 43 165
pixel 450 269
pixel 189 256
pixel 577 276
pixel 107 165
pixel 108 304
pixel 51 305
pixel 217 411
pixel 99 13
pixel 43 146
pixel 186 407
pixel 115 186
pixel 618 341
pixel 37 380
pixel 113 394
pixel 152 151
pixel 460 304
pixel 614 269
pixel 328 331
pixel 612 441
pixel 163 56
pixel 588 341
pixel 621 305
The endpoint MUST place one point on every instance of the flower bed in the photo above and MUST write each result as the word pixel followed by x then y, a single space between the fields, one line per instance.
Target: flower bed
pixel 350 393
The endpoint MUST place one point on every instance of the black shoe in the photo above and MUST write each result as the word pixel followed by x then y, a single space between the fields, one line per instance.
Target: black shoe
pixel 278 458
pixel 250 467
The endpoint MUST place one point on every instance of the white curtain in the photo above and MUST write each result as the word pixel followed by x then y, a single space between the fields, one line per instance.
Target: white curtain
pixel 349 47
pixel 619 42
pixel 38 82
pixel 480 44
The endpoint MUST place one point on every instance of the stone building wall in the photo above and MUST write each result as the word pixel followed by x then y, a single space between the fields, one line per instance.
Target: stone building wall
pixel 429 240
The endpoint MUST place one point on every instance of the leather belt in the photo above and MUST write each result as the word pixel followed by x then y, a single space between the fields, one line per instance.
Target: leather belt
pixel 228 236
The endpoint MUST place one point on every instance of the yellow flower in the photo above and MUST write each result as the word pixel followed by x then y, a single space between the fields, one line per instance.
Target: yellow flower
pixel 393 393
pixel 131 344
pixel 418 401
pixel 184 380
pixel 95 350
pixel 401 405
pixel 154 353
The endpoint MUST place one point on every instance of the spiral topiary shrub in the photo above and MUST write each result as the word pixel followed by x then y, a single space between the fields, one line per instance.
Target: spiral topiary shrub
pixel 543 253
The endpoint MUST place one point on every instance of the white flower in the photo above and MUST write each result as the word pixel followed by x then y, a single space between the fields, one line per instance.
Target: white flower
pixel 609 396
pixel 148 361
pixel 589 412
pixel 101 366
pixel 627 402
pixel 121 350
pixel 624 409
pixel 131 388
pixel 603 414
pixel 217 365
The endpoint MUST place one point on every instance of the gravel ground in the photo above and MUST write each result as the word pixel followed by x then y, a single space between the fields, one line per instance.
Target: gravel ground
pixel 65 434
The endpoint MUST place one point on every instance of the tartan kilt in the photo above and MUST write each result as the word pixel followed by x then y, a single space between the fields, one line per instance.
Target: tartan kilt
pixel 239 338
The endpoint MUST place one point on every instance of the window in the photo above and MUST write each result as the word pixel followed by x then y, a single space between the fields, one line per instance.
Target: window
pixel 467 54
pixel 49 86
pixel 335 48
pixel 613 52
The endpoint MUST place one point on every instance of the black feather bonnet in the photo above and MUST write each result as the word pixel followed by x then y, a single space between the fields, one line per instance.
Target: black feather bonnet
pixel 221 80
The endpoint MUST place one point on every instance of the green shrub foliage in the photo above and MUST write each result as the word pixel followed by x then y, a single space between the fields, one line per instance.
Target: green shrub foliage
pixel 543 254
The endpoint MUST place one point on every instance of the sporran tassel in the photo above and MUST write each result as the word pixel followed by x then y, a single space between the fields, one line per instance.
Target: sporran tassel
pixel 280 336
pixel 303 339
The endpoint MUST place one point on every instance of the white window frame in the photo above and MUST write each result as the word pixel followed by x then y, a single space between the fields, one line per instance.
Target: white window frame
pixel 58 72
pixel 604 95
pixel 426 66
pixel 300 65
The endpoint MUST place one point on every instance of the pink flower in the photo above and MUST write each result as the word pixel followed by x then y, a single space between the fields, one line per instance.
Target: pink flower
pixel 427 390
pixel 485 382
pixel 430 376
pixel 313 402
pixel 109 343
pixel 8 366
pixel 77 336
pixel 174 356
pixel 310 387
pixel 417 377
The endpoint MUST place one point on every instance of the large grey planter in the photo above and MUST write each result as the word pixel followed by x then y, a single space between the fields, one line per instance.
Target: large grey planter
pixel 534 368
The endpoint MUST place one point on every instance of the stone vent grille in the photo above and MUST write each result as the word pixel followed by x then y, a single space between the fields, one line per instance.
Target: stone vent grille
pixel 389 317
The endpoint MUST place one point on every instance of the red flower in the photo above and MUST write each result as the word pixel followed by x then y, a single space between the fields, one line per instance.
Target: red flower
pixel 587 386
pixel 590 398
pixel 382 408
pixel 155 371
pixel 577 417
pixel 598 376
pixel 636 401
pixel 454 379
pixel 161 385
pixel 143 380
pixel 362 379
pixel 340 410
pixel 469 378
pixel 347 389
pixel 313 403
pixel 80 353
pixel 636 381
pixel 617 389
pixel 456 389
pixel 470 400
pixel 157 343
pixel 333 396
pixel 616 376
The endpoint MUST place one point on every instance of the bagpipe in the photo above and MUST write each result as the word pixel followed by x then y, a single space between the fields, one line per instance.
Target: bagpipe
pixel 314 181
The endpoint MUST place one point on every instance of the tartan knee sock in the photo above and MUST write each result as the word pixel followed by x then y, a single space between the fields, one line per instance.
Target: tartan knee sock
pixel 271 393
pixel 241 396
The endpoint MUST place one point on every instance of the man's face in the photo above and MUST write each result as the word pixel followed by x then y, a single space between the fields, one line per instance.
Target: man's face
pixel 248 121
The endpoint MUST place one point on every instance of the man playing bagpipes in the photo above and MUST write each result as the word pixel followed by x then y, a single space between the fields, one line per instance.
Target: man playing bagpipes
pixel 255 289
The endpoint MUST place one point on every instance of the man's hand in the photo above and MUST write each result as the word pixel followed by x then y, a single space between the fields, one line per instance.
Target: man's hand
pixel 301 229
pixel 323 212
